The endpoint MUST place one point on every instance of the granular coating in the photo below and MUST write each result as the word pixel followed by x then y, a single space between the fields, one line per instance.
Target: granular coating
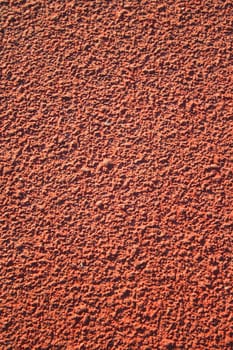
pixel 116 174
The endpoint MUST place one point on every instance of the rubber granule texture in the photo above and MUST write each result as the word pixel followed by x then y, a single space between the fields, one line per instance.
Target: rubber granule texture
pixel 116 174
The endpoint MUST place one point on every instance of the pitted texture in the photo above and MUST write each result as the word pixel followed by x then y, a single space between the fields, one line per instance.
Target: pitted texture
pixel 116 175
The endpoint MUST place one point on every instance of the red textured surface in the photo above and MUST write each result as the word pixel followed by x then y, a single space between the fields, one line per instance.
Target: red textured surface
pixel 116 175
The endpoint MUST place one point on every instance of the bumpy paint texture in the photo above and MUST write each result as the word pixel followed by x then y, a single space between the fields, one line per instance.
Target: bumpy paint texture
pixel 116 175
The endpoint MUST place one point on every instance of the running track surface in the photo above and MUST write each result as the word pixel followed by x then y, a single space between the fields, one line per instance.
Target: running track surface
pixel 116 175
